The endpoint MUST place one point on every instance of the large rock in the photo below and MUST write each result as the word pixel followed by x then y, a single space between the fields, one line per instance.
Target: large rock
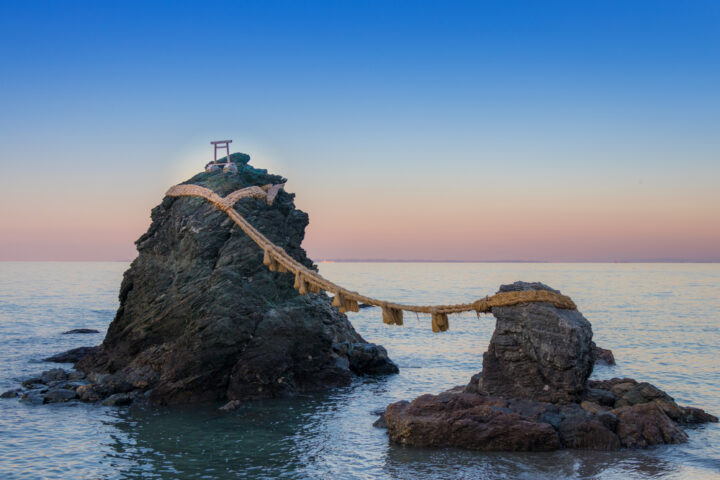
pixel 538 351
pixel 202 319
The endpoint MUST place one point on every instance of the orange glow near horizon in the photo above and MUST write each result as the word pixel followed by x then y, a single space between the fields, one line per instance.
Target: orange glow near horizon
pixel 422 220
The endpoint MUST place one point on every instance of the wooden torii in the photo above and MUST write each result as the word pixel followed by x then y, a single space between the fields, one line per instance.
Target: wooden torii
pixel 228 166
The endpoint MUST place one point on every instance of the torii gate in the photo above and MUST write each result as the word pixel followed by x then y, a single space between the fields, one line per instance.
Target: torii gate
pixel 228 166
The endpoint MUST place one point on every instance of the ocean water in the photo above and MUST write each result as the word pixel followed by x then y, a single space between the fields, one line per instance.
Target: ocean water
pixel 662 321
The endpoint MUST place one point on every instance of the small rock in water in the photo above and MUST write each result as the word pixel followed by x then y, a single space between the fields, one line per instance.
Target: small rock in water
pixel 231 405
pixel 380 422
pixel 34 382
pixel 80 330
pixel 34 397
pixel 53 375
pixel 603 356
pixel 11 393
pixel 71 356
pixel 59 395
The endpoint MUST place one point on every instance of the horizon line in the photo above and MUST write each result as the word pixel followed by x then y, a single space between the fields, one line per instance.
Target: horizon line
pixel 389 260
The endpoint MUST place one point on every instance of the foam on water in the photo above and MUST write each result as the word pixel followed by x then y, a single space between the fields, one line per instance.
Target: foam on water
pixel 662 321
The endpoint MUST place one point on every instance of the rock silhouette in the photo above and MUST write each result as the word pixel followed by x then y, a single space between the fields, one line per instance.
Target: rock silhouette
pixel 202 319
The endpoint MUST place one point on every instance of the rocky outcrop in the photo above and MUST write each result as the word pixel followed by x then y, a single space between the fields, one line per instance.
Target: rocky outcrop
pixel 538 351
pixel 71 356
pixel 202 319
pixel 534 394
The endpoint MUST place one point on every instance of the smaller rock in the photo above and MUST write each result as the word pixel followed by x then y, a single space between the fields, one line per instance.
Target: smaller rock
pixel 380 422
pixel 118 400
pixel 641 393
pixel 591 407
pixel 475 384
pixel 53 375
pixel 231 405
pixel 88 393
pixel 367 358
pixel 80 330
pixel 75 375
pixel 644 425
pixel 34 382
pixel 693 415
pixel 11 393
pixel 603 355
pixel 33 396
pixel 602 397
pixel 71 356
pixel 59 395
pixel 365 305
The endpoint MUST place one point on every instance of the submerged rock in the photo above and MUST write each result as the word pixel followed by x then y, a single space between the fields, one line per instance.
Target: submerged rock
pixel 533 394
pixel 80 331
pixel 202 319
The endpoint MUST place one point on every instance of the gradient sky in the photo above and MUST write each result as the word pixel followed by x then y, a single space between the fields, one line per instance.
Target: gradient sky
pixel 559 131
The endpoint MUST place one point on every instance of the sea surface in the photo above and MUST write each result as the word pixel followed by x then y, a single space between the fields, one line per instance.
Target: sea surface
pixel 662 321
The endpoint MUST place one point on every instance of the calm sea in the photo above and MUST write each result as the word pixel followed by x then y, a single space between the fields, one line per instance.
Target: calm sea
pixel 661 320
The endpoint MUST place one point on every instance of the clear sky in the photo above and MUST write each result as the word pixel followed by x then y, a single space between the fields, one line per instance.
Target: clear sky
pixel 559 131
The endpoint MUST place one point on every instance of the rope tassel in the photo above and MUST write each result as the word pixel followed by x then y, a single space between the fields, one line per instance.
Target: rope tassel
pixel 345 304
pixel 351 305
pixel 439 322
pixel 270 262
pixel 267 258
pixel 338 300
pixel 392 316
pixel 301 284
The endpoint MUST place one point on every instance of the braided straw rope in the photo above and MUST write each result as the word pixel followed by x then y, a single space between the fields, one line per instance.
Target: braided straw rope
pixel 307 280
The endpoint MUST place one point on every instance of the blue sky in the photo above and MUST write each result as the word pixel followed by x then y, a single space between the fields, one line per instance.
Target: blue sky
pixel 609 105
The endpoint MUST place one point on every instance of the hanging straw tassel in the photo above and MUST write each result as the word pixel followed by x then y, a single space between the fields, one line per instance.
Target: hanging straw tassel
pixel 392 316
pixel 281 268
pixel 303 290
pixel 338 300
pixel 439 322
pixel 298 281
pixel 270 262
pixel 351 305
pixel 313 287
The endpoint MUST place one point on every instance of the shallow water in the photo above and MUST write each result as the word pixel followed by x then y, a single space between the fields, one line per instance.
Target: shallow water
pixel 662 321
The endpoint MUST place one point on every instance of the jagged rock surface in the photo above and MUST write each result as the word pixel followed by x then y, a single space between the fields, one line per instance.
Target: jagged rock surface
pixel 538 351
pixel 202 319
pixel 533 394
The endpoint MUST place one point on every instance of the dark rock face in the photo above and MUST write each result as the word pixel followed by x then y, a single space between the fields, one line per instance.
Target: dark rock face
pixel 202 319
pixel 538 351
pixel 533 394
